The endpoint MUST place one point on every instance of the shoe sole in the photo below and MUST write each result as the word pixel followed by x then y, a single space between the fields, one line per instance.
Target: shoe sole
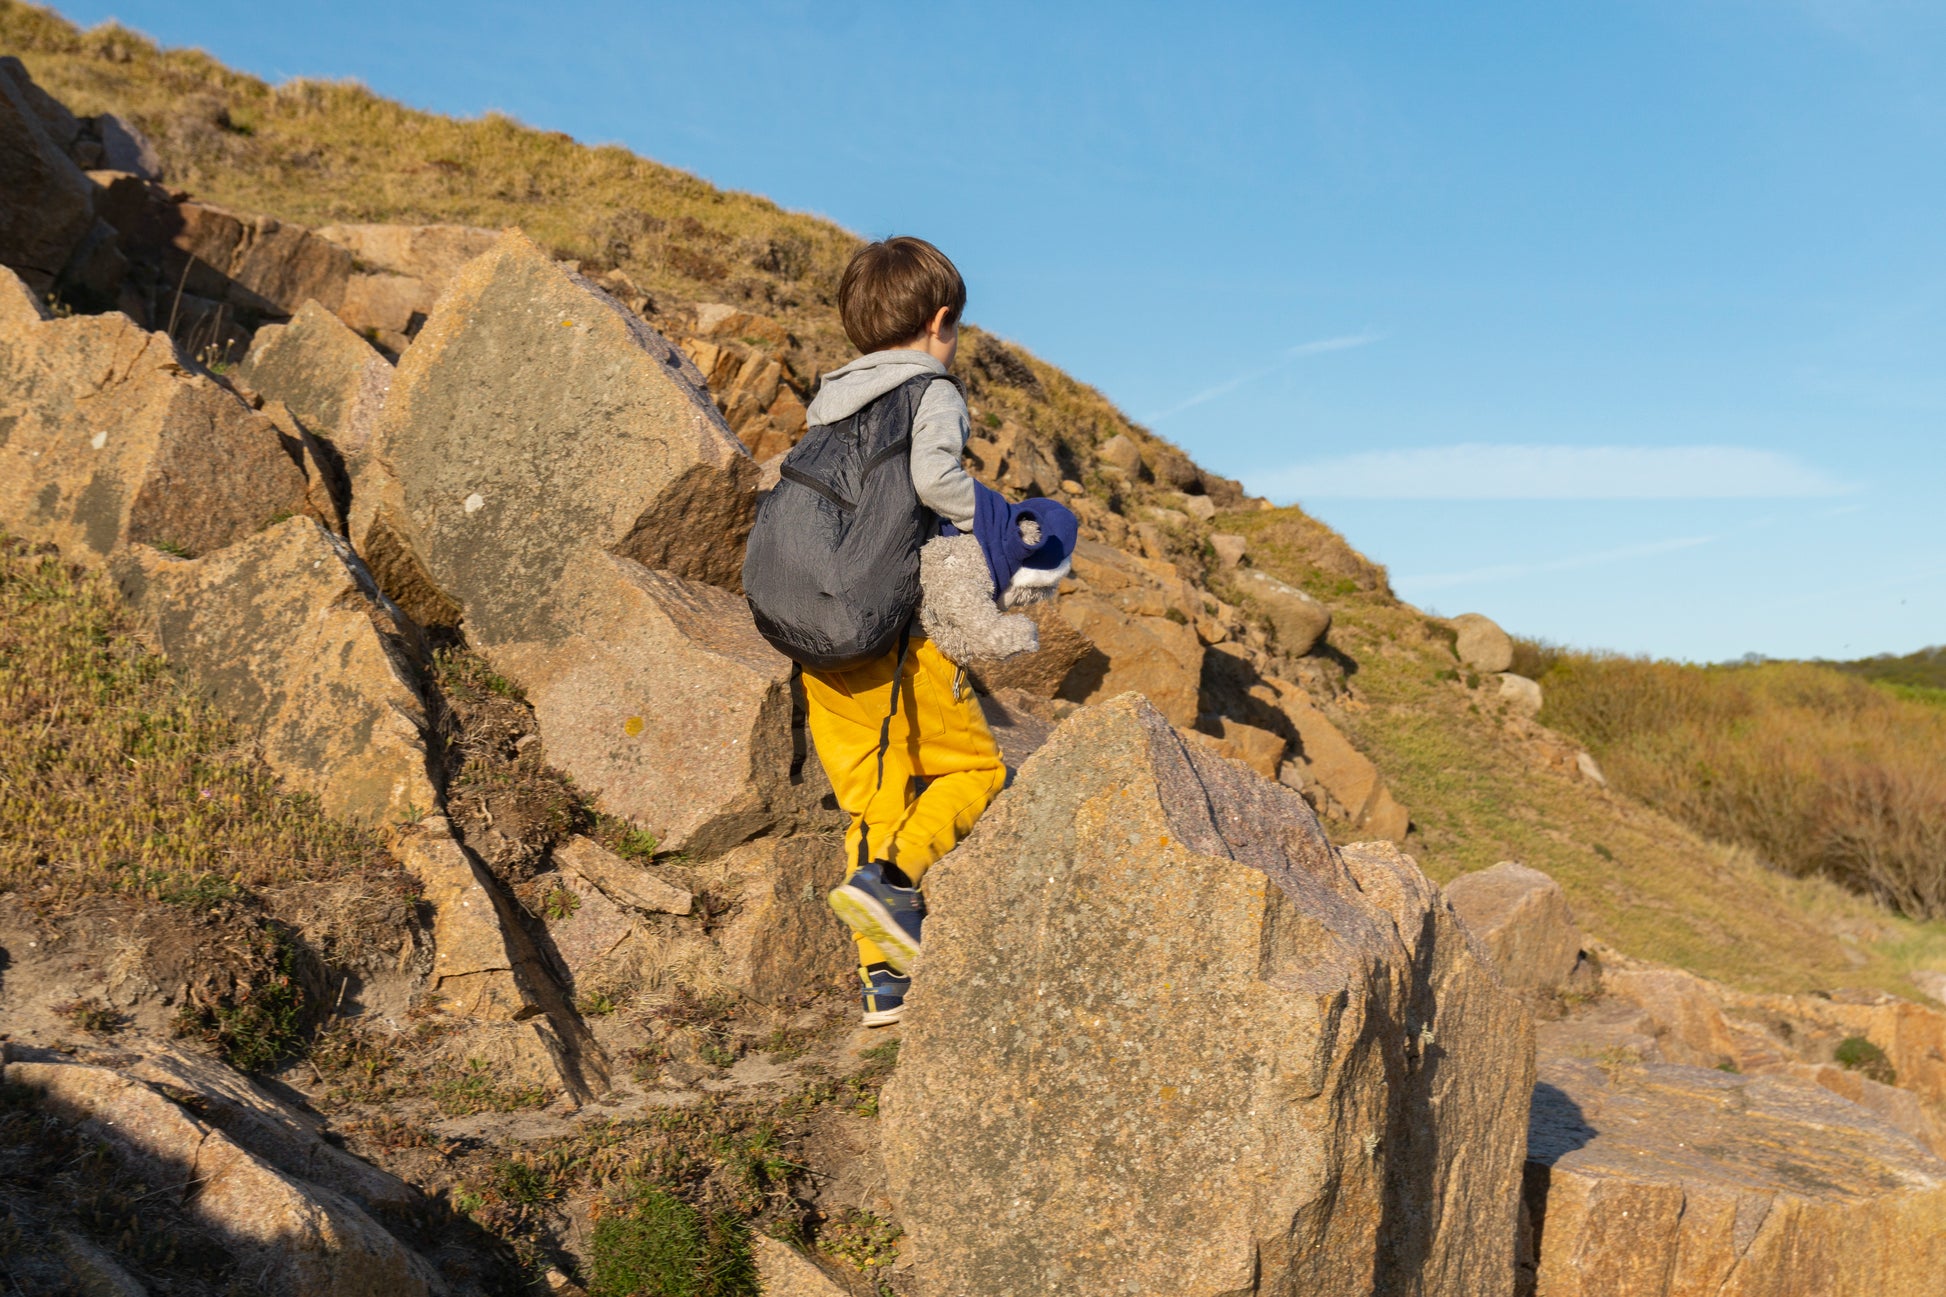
pixel 883 1017
pixel 863 914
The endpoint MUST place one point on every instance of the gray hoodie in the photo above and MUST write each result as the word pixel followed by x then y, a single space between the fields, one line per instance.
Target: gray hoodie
pixel 938 431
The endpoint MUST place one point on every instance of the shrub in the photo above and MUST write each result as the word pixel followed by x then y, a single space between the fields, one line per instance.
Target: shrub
pixel 660 1246
pixel 1817 772
pixel 1857 1054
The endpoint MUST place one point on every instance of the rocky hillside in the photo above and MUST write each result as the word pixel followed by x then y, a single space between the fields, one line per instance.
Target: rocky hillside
pixel 384 724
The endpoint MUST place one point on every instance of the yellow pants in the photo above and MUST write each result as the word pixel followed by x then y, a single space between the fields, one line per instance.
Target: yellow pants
pixel 942 767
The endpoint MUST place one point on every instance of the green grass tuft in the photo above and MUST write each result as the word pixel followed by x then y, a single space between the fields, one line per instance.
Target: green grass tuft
pixel 660 1246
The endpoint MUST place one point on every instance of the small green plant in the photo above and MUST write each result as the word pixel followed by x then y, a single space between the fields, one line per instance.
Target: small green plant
pixel 636 844
pixel 466 1202
pixel 757 1157
pixel 657 1245
pixel 560 903
pixel 264 1024
pixel 1176 615
pixel 1857 1054
pixel 990 419
pixel 1604 853
pixel 171 547
pixel 91 1015
pixel 597 1004
pixel 861 1240
pixel 523 1183
pixel 475 1090
pixel 717 1051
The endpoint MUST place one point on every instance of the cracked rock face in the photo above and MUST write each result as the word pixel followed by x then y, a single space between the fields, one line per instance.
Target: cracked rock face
pixel 105 439
pixel 534 417
pixel 1166 1039
pixel 286 632
pixel 1663 1181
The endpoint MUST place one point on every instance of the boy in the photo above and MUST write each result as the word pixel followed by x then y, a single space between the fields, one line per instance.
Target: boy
pixel 900 301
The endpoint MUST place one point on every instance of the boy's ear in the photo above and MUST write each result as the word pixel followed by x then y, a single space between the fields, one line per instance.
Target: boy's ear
pixel 938 325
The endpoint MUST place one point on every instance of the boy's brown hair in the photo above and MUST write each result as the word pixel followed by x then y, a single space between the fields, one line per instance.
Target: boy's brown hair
pixel 893 288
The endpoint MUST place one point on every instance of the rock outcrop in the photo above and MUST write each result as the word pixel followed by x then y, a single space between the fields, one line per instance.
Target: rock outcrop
pixel 398 272
pixel 46 204
pixel 1655 1181
pixel 1301 621
pixel 286 632
pixel 1168 1040
pixel 331 379
pixel 659 696
pixel 1522 917
pixel 105 439
pixel 1481 644
pixel 549 471
pixel 297 1237
pixel 535 417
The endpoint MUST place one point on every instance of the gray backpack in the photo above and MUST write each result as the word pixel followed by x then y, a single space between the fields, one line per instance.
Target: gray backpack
pixel 832 571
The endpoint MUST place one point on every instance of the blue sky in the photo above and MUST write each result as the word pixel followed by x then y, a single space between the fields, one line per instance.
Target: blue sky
pixel 1620 322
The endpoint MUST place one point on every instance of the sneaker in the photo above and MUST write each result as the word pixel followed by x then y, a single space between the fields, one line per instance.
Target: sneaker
pixel 889 916
pixel 884 995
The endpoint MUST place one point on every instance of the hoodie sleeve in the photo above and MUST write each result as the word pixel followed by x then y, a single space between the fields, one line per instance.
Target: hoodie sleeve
pixel 938 440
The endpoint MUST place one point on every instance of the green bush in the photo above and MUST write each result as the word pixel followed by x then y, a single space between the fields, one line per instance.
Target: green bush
pixel 660 1246
pixel 1858 1054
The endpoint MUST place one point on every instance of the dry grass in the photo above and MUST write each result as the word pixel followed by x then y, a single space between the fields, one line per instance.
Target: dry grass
pixel 114 779
pixel 124 797
pixel 1819 772
pixel 329 153
pixel 1637 878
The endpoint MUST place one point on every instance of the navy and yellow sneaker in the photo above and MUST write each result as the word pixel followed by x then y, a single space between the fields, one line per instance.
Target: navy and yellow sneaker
pixel 888 916
pixel 884 994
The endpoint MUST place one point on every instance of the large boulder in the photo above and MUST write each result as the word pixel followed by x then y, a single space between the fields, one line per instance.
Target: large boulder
pixel 549 471
pixel 1662 1181
pixel 1522 917
pixel 254 263
pixel 1300 621
pixel 295 1237
pixel 106 439
pixel 1339 780
pixel 286 632
pixel 331 379
pixel 657 696
pixel 1155 656
pixel 534 417
pixel 1481 644
pixel 398 273
pixel 1522 696
pixel 46 203
pixel 1166 1039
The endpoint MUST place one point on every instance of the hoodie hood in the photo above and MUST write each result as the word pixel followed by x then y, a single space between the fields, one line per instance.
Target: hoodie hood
pixel 850 388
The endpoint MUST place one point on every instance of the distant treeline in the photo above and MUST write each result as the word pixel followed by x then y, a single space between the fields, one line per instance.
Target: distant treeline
pixel 1823 768
pixel 1924 670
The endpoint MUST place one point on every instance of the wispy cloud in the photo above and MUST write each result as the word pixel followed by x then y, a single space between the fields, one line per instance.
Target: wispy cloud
pixel 1481 471
pixel 1431 581
pixel 1284 360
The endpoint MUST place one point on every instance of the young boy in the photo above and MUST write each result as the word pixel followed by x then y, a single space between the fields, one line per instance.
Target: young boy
pixel 900 301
